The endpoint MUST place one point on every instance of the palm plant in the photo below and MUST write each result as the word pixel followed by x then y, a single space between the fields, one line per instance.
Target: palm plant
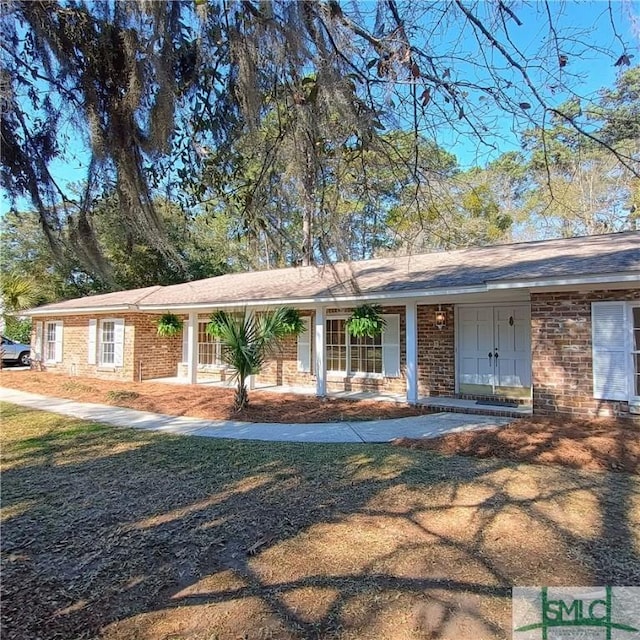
pixel 248 340
pixel 18 292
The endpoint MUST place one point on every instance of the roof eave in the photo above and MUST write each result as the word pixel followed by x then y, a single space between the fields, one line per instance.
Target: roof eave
pixel 563 281
pixel 74 311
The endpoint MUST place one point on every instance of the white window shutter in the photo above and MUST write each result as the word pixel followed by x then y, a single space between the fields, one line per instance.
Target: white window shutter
pixel 391 346
pixel 608 328
pixel 304 347
pixel 185 342
pixel 36 352
pixel 58 357
pixel 118 339
pixel 92 342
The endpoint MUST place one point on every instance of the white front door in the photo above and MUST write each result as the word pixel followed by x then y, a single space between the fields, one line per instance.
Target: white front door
pixel 494 350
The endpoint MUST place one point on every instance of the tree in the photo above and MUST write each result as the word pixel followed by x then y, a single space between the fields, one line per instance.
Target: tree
pixel 151 89
pixel 17 292
pixel 132 261
pixel 573 186
pixel 248 339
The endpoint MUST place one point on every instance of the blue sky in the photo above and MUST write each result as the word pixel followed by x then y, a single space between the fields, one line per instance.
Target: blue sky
pixel 588 69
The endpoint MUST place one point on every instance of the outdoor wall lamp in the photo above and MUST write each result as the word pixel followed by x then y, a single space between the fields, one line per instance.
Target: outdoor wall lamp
pixel 441 318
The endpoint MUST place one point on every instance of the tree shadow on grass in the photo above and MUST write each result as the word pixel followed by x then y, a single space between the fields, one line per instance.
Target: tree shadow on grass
pixel 138 535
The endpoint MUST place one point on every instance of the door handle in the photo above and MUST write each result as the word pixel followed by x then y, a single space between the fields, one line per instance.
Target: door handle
pixel 496 355
pixel 490 356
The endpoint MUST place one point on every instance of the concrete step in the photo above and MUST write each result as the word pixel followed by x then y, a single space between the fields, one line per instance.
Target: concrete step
pixel 458 405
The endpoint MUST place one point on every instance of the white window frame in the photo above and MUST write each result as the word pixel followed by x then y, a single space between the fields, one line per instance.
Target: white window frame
pixel 336 372
pixel 101 343
pixel 348 372
pixel 215 344
pixel 47 343
pixel 350 347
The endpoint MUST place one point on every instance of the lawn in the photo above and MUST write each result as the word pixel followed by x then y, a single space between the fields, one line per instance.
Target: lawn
pixel 124 534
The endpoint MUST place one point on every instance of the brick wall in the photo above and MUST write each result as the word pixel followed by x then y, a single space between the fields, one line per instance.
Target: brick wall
pixel 154 356
pixel 284 368
pixel 75 347
pixel 158 357
pixel 561 353
pixel 436 352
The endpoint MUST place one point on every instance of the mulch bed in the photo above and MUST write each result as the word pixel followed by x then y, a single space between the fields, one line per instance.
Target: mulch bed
pixel 599 445
pixel 200 401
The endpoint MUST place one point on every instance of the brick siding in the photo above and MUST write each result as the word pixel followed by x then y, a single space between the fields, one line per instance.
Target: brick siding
pixel 284 368
pixel 562 353
pixel 436 352
pixel 145 354
pixel 154 356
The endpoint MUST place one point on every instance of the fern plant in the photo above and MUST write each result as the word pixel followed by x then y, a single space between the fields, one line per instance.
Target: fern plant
pixel 292 322
pixel 169 325
pixel 366 321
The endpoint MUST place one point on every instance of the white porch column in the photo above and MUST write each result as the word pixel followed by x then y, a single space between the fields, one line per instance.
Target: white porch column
pixel 192 348
pixel 321 365
pixel 412 352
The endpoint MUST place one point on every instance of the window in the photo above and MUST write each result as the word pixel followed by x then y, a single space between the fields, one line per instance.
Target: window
pixel 366 354
pixel 209 348
pixel 336 345
pixel 351 355
pixel 51 341
pixel 107 342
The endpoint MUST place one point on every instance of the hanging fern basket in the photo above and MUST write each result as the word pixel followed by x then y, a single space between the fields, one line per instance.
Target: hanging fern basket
pixel 366 321
pixel 292 322
pixel 169 325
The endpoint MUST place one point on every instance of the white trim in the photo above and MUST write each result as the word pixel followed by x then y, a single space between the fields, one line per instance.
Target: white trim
pixel 57 342
pixel 78 310
pixel 118 359
pixel 321 361
pixel 564 281
pixel 411 350
pixel 192 348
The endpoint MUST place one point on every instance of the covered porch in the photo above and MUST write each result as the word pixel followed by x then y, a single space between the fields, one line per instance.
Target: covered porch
pixel 450 353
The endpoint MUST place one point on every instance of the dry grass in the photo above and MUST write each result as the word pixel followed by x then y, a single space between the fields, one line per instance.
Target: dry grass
pixel 201 401
pixel 125 534
pixel 604 444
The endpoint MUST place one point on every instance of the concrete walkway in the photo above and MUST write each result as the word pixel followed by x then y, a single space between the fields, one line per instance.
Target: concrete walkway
pixel 428 426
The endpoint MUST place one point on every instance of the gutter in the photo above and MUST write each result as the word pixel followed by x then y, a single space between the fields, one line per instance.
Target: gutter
pixel 44 311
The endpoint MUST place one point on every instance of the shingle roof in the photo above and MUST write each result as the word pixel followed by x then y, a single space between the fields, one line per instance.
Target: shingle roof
pixel 572 257
pixel 115 299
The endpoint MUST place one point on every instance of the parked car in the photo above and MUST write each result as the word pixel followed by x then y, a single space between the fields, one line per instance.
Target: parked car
pixel 15 352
